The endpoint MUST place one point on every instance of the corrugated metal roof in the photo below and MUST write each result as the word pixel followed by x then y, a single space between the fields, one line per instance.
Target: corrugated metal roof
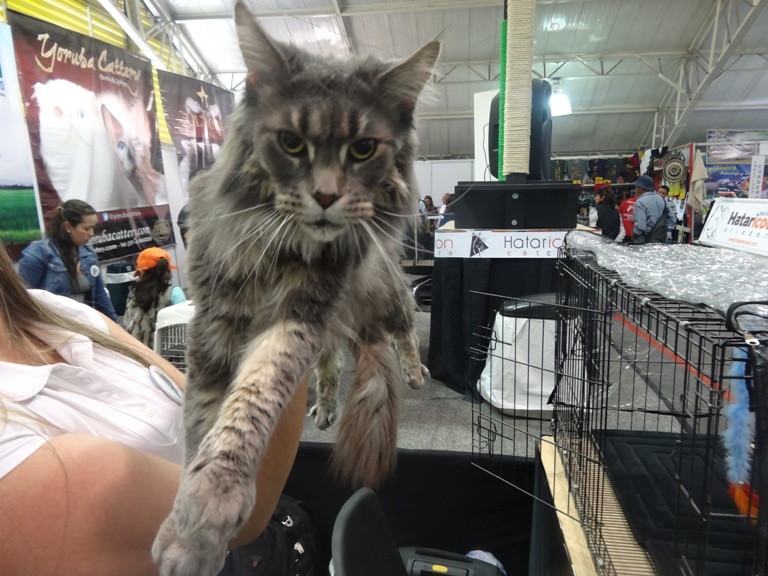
pixel 618 60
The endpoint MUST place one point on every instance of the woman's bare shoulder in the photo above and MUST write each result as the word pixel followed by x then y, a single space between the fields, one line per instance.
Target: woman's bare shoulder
pixel 82 505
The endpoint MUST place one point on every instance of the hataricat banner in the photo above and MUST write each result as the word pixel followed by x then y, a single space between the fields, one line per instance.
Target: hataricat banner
pixel 91 117
pixel 19 218
pixel 195 112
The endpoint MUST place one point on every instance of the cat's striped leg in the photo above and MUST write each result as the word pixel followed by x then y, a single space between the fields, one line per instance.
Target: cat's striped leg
pixel 218 487
pixel 327 375
pixel 400 325
pixel 365 451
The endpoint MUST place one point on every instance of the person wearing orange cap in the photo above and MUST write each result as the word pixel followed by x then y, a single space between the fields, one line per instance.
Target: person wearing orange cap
pixel 152 293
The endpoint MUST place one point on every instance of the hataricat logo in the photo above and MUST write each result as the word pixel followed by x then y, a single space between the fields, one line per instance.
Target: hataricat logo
pixel 478 245
pixel 746 221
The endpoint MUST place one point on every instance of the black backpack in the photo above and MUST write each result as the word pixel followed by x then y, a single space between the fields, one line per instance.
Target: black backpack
pixel 289 546
pixel 659 231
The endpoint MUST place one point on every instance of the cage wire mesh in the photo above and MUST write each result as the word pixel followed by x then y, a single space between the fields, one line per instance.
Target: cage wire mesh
pixel 621 393
pixel 171 333
pixel 171 344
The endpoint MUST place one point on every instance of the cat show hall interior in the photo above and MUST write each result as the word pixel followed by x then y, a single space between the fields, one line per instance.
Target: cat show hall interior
pixel 378 289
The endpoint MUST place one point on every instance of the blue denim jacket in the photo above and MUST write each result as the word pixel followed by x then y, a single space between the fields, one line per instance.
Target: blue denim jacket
pixel 41 266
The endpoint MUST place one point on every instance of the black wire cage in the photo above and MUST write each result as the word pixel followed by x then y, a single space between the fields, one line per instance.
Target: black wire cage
pixel 641 410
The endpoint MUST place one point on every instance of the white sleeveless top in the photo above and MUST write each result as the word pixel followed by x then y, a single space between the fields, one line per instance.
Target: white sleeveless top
pixel 96 392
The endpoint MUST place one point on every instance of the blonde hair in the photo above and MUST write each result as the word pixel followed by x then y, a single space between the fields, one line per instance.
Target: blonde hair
pixel 21 312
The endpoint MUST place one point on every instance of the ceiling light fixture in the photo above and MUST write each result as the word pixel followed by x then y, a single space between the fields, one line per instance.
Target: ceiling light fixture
pixel 559 103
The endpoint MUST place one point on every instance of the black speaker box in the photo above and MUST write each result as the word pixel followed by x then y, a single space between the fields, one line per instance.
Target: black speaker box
pixel 527 206
pixel 541 132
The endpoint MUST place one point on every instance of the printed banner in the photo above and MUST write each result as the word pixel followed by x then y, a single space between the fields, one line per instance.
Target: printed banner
pixel 741 224
pixel 19 218
pixel 91 119
pixel 498 243
pixel 732 181
pixel 733 149
pixel 195 112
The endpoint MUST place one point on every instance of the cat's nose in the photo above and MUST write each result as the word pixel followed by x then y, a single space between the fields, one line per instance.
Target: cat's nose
pixel 325 200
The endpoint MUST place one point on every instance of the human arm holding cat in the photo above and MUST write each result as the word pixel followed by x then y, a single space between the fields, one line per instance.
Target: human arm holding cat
pixel 79 502
pixel 84 505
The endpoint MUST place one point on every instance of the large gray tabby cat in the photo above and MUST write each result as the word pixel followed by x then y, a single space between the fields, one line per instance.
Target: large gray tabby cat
pixel 295 235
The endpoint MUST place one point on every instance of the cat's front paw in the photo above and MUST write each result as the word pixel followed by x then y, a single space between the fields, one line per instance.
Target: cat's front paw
pixel 176 555
pixel 209 509
pixel 414 377
pixel 324 415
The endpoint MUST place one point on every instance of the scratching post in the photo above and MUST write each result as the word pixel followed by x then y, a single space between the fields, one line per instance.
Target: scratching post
pixel 518 61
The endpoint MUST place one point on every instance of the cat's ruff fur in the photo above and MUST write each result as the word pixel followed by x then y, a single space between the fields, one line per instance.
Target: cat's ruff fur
pixel 295 232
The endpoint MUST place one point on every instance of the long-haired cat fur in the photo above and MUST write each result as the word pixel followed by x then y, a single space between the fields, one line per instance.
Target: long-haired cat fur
pixel 296 229
pixel 329 362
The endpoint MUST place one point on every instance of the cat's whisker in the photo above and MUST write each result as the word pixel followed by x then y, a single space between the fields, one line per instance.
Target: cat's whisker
pixel 357 244
pixel 253 269
pixel 265 248
pixel 413 215
pixel 394 272
pixel 235 213
pixel 378 225
pixel 405 242
pixel 281 244
pixel 256 232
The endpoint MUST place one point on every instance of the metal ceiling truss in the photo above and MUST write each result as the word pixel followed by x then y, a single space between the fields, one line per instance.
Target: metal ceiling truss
pixel 342 26
pixel 363 10
pixel 715 47
pixel 688 73
pixel 169 32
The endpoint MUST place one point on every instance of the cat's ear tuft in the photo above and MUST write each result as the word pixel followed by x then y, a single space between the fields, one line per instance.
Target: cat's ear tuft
pixel 262 58
pixel 407 78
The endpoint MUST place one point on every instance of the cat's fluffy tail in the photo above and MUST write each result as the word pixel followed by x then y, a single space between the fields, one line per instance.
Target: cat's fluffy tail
pixel 366 448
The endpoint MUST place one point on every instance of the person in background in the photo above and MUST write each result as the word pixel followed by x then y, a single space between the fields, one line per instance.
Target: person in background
pixel 429 215
pixel 446 210
pixel 91 440
pixel 651 216
pixel 626 211
pixel 603 214
pixel 64 263
pixel 182 220
pixel 152 293
pixel 672 206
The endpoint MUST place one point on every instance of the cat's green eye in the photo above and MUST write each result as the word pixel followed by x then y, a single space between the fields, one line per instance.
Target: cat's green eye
pixel 362 149
pixel 291 143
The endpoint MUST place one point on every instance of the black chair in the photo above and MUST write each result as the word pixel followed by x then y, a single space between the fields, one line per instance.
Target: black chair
pixel 362 542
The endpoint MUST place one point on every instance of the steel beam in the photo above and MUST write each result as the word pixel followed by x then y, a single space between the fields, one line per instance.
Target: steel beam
pixel 716 63
pixel 179 39
pixel 136 36
pixel 342 26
